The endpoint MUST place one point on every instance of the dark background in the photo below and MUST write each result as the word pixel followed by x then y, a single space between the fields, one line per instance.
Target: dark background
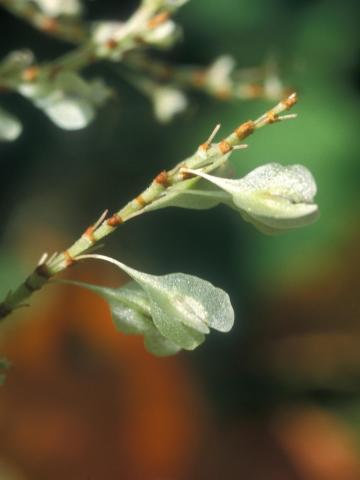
pixel 278 397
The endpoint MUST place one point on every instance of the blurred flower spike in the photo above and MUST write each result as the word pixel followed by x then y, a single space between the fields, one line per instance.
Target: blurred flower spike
pixel 272 197
pixel 173 311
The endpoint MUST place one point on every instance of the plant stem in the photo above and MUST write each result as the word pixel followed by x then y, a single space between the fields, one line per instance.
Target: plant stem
pixel 208 154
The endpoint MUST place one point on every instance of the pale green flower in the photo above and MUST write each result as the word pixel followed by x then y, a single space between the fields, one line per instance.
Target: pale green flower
pixel 272 197
pixel 172 311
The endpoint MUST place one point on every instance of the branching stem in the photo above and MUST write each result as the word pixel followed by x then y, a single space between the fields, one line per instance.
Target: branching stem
pixel 209 155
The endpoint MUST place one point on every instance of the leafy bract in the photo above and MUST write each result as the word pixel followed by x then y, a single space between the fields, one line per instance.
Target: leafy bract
pixel 272 197
pixel 172 311
pixel 131 315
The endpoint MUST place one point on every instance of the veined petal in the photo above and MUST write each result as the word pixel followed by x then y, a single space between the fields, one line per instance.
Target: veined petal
pixel 183 307
pixel 131 314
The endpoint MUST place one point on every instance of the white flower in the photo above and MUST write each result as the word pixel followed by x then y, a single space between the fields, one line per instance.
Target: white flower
pixel 10 127
pixel 55 8
pixel 168 102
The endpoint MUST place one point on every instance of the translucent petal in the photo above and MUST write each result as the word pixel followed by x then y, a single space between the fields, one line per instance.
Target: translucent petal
pixel 160 346
pixel 129 306
pixel 131 314
pixel 183 305
pixel 274 196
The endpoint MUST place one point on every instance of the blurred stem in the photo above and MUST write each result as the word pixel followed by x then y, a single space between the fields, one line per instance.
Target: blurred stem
pixel 194 77
pixel 68 29
pixel 209 156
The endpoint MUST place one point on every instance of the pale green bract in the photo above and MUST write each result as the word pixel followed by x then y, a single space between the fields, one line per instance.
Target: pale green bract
pixel 173 311
pixel 272 197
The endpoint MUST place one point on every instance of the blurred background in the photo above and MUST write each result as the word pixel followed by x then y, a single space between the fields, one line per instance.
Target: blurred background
pixel 276 399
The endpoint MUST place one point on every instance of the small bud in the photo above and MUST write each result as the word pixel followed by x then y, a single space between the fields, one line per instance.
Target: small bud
pixel 10 127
